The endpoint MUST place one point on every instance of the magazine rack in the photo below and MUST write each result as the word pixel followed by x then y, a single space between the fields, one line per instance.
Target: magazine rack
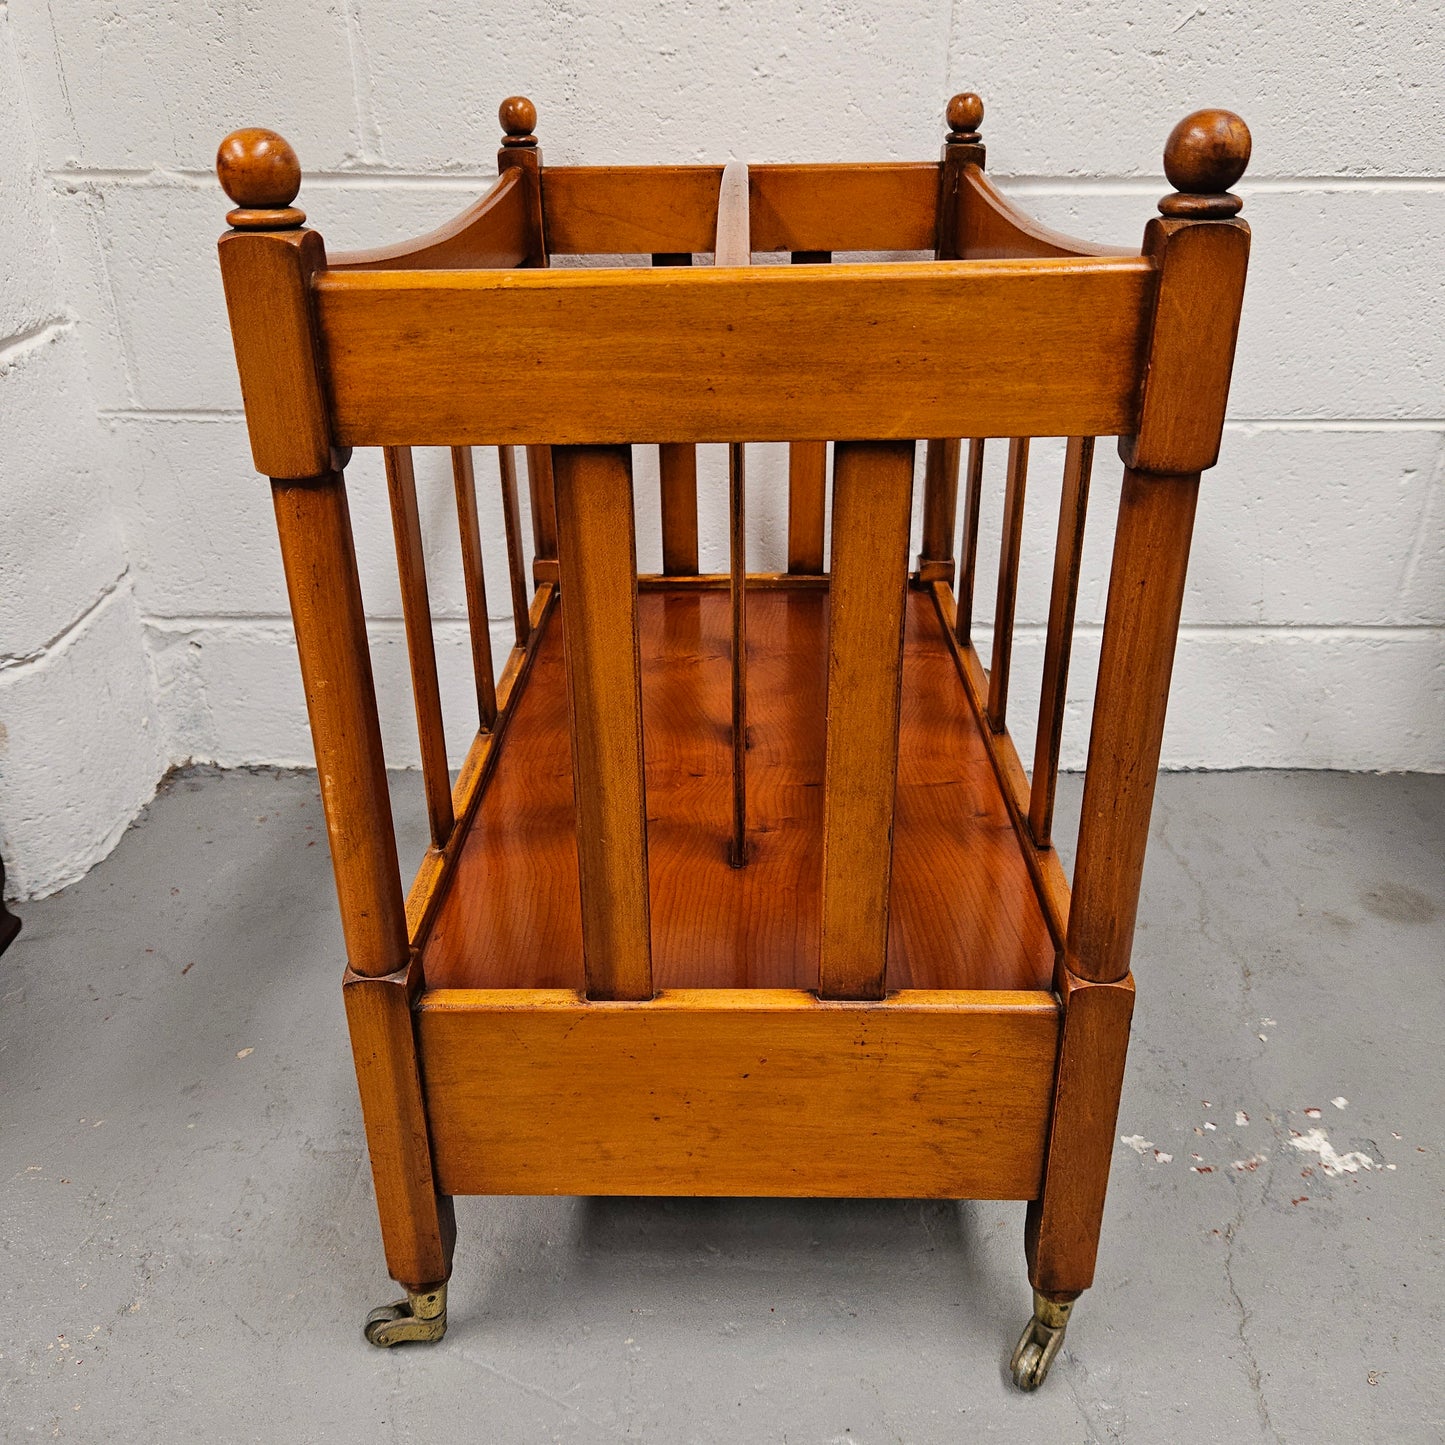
pixel 742 888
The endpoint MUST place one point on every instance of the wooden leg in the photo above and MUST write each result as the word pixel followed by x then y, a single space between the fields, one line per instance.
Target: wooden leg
pixel 1061 1236
pixel 418 1226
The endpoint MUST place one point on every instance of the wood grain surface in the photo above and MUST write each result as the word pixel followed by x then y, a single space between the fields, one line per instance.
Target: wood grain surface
pixel 963 911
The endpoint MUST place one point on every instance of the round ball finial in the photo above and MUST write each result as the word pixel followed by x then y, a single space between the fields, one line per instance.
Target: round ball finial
pixel 1205 154
pixel 964 116
pixel 260 172
pixel 518 117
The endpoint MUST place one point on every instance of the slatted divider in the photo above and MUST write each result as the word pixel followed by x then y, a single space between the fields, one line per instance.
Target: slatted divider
pixel 968 550
pixel 1063 596
pixel 733 247
pixel 677 466
pixel 512 520
pixel 872 512
pixel 807 480
pixel 940 510
pixel 1008 581
pixel 597 560
pixel 464 481
pixel 544 513
pixel 420 644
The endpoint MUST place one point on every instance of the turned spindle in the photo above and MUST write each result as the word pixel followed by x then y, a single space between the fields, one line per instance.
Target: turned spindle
pixel 519 118
pixel 964 116
pixel 259 171
pixel 1205 154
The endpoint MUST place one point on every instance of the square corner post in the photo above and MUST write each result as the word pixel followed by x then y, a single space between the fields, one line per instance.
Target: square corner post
pixel 962 147
pixel 267 265
pixel 1201 254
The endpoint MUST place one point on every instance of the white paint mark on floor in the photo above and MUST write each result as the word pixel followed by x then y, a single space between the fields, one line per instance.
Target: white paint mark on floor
pixel 1339 1101
pixel 1137 1142
pixel 1241 1119
pixel 1331 1161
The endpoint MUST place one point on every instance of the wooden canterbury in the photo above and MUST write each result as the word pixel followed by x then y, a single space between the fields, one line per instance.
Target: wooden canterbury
pixel 744 890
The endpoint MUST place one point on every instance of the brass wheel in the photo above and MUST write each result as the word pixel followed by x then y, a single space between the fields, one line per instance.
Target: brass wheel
pixel 420 1318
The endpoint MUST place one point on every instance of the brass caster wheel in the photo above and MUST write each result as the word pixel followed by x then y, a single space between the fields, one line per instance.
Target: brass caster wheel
pixel 421 1317
pixel 1040 1342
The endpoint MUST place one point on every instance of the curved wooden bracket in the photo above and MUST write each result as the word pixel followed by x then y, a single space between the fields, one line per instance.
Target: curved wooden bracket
pixel 992 228
pixel 492 234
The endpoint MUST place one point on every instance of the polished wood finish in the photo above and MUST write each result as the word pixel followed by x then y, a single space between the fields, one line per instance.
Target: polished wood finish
pixel 677 469
pixel 843 207
pixel 319 557
pixel 598 563
pixel 963 913
pixel 504 1021
pixel 1012 348
pixel 1009 555
pixel 872 507
pixel 420 642
pixel 968 551
pixel 492 235
pixel 464 482
pixel 1205 154
pixel 990 227
pixel 259 170
pixel 940 510
pixel 541 493
pixel 1136 658
pixel 1061 1233
pixel 268 279
pixel 739 1092
pixel 738 650
pixel 512 523
pixel 1058 640
pixel 418 1223
pixel 807 480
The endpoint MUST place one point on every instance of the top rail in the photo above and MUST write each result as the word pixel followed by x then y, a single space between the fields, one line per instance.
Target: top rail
pixel 797 353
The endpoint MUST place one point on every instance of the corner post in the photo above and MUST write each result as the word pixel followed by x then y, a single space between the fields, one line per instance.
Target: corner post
pixel 962 146
pixel 268 261
pixel 520 151
pixel 1200 252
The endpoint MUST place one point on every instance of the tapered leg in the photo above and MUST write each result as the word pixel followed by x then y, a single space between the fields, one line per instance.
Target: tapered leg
pixel 1061 1236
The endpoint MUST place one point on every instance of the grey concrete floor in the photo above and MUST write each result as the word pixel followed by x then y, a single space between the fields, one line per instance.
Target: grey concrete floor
pixel 189 1240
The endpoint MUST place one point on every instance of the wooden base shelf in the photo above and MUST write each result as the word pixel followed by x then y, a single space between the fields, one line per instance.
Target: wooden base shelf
pixel 964 914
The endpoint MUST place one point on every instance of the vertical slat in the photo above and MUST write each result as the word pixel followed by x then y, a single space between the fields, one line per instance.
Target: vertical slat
pixel 968 569
pixel 677 466
pixel 1068 552
pixel 940 510
pixel 1008 581
pixel 544 508
pixel 512 519
pixel 464 479
pixel 872 507
pixel 420 644
pixel 738 563
pixel 598 567
pixel 807 480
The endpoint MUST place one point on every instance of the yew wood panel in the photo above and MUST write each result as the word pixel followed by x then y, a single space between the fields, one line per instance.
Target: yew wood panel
pixel 789 353
pixel 762 1092
pixel 963 911
pixel 629 210
pixel 858 207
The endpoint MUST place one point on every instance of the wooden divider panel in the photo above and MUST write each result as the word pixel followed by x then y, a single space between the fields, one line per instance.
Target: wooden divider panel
pixel 872 508
pixel 597 557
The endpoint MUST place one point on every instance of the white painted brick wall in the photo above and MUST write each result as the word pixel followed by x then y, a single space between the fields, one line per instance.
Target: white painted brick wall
pixel 1315 622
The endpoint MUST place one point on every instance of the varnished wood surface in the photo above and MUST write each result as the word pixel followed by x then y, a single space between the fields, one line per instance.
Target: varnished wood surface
pixel 597 558
pixel 963 911
pixel 872 505
pixel 764 1092
pixel 858 207
pixel 790 353
pixel 492 234
pixel 990 226
pixel 1009 555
